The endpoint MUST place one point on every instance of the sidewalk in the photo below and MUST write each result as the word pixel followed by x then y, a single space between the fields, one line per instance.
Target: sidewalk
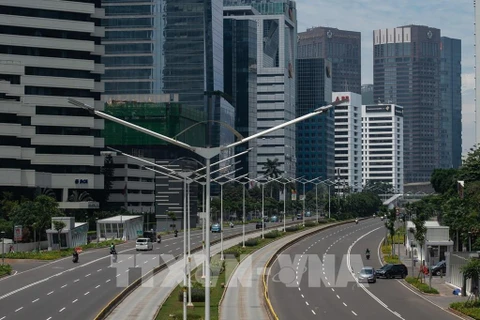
pixel 445 296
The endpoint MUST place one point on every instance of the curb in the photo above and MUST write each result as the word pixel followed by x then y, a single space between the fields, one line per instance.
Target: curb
pixel 270 310
pixel 124 294
pixel 460 314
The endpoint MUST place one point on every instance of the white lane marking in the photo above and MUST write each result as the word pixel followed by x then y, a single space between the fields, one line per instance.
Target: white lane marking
pixel 63 286
pixel 5 317
pixel 74 300
pixel 306 303
pixel 50 293
pixel 349 266
pixel 344 304
pixel 338 296
pixel 76 280
pixel 170 251
pixel 333 290
pixel 328 283
pixel 118 275
pixel 86 293
pixel 299 289
pixel 145 262
pixel 47 318
pixel 107 281
pixel 88 275
pixel 130 258
pixel 19 309
pixel 35 300
pixel 97 287
pixel 154 258
pixel 313 312
pixel 354 313
pixel 126 271
pixel 99 270
pixel 61 309
pixel 302 296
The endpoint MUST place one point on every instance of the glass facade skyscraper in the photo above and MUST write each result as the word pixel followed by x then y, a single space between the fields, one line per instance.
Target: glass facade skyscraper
pixel 276 83
pixel 451 99
pixel 342 47
pixel 406 72
pixel 240 65
pixel 164 47
pixel 315 136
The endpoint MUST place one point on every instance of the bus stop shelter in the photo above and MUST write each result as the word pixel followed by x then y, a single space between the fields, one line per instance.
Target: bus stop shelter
pixel 120 227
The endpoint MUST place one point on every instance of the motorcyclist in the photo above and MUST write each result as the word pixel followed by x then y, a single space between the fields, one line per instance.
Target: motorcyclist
pixel 112 249
pixel 75 255
pixel 176 232
pixel 367 252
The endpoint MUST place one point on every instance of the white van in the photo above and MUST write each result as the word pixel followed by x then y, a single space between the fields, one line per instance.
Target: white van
pixel 144 244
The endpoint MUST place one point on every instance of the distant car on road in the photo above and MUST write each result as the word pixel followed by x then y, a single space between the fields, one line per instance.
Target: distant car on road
pixel 367 274
pixel 274 219
pixel 259 225
pixel 144 244
pixel 390 271
pixel 299 216
pixel 216 227
pixel 439 269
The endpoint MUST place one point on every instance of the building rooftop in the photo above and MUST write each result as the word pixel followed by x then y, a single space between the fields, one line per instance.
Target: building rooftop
pixel 118 219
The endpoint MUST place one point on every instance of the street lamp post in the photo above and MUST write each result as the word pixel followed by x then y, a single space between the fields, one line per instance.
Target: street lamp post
pixel 3 247
pixel 207 153
pixel 284 200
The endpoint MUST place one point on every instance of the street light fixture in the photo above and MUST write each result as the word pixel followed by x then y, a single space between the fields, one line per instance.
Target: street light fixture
pixel 207 153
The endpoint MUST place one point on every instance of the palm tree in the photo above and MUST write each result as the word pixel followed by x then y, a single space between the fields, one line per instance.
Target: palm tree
pixel 76 196
pixel 272 171
pixel 45 192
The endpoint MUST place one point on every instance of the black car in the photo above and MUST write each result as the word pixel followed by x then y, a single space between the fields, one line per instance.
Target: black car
pixel 390 271
pixel 259 225
pixel 440 268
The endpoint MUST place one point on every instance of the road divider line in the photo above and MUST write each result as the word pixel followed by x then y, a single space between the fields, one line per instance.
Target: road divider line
pixel 97 287
pixel 50 293
pixel 74 300
pixel 35 300
pixel 76 280
pixel 349 266
pixel 86 293
pixel 19 309
pixel 63 286
pixel 61 310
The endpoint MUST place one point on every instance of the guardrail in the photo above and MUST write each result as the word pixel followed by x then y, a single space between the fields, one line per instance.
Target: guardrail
pixel 134 285
pixel 269 307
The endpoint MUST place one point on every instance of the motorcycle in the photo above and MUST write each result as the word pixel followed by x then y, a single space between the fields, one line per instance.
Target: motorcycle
pixel 75 257
pixel 113 252
pixel 176 233
pixel 356 221
pixel 231 224
pixel 368 256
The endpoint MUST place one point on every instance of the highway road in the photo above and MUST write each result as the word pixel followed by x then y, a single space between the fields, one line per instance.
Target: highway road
pixel 314 280
pixel 62 289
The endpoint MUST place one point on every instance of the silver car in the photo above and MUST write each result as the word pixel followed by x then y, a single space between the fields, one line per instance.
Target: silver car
pixel 367 274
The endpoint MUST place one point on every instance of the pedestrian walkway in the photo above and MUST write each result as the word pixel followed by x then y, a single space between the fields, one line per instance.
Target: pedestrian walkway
pixel 445 296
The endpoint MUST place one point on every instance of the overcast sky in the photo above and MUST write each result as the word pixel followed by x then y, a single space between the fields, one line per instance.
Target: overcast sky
pixel 455 19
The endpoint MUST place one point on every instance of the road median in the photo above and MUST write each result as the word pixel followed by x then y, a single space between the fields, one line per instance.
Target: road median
pixel 128 290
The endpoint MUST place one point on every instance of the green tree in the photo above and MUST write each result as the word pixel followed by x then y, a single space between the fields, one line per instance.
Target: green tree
pixel 36 214
pixel 390 225
pixel 78 196
pixel 172 216
pixel 272 170
pixel 471 270
pixel 58 226
pixel 444 180
pixel 419 235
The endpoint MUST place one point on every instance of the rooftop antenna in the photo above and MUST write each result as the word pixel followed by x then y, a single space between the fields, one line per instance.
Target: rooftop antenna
pixel 346 85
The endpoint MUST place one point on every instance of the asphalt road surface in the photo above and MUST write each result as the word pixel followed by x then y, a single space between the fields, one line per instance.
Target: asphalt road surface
pixel 314 280
pixel 62 289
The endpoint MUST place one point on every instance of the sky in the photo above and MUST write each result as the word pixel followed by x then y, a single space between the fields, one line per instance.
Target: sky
pixel 455 19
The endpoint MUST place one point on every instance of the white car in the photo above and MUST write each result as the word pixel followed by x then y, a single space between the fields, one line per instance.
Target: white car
pixel 144 244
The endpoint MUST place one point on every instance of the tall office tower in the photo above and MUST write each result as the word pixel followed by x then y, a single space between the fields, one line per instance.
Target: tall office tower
pixel 477 71
pixel 171 47
pixel 348 141
pixel 342 47
pixel 315 136
pixel 406 72
pixel 276 55
pixel 49 52
pixel 240 65
pixel 367 94
pixel 382 148
pixel 451 99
